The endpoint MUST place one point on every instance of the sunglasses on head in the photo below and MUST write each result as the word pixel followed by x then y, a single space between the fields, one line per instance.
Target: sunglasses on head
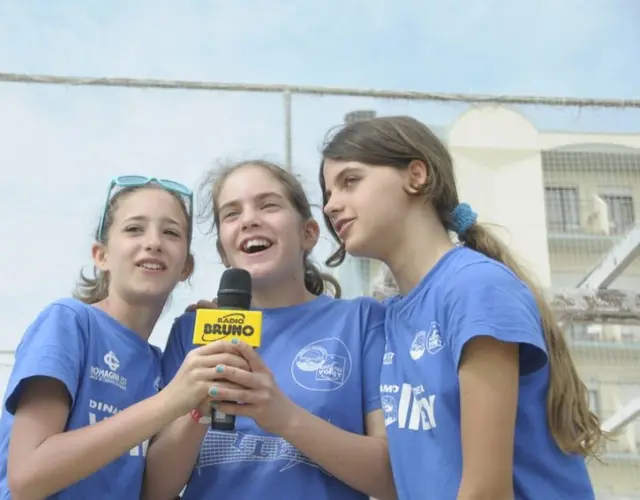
pixel 131 181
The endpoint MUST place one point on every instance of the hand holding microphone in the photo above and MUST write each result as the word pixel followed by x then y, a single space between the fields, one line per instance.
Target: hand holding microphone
pixel 252 391
pixel 231 320
pixel 192 383
pixel 262 400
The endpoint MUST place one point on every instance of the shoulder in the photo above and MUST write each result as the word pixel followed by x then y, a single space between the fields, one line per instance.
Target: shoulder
pixel 480 277
pixel 366 310
pixel 485 298
pixel 184 323
pixel 181 335
pixel 66 314
pixel 157 351
pixel 68 306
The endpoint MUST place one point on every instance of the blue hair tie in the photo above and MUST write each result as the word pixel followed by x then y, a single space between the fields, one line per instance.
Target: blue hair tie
pixel 463 218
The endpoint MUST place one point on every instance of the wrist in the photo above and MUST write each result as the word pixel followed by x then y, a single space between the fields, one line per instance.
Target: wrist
pixel 199 418
pixel 169 405
pixel 294 421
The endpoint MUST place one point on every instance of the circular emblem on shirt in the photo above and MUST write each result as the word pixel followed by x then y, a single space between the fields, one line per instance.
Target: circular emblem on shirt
pixel 323 365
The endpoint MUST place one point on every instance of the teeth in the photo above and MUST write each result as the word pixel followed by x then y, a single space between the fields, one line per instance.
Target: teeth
pixel 257 242
pixel 151 266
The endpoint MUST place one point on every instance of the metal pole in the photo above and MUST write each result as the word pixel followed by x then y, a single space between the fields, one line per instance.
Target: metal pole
pixel 287 131
pixel 314 90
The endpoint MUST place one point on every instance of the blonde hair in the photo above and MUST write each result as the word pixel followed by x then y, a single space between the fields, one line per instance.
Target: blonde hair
pixel 315 281
pixel 94 288
pixel 397 141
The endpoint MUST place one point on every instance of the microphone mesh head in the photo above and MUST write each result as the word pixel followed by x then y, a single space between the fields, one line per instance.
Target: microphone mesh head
pixel 235 289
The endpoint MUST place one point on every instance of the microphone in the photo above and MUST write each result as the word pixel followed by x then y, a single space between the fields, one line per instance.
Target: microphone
pixel 232 319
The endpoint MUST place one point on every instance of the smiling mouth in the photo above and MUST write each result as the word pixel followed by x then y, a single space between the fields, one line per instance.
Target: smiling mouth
pixel 256 245
pixel 344 227
pixel 152 266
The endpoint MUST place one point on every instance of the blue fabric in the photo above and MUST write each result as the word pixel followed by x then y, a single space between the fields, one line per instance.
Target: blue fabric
pixel 326 355
pixel 105 368
pixel 464 296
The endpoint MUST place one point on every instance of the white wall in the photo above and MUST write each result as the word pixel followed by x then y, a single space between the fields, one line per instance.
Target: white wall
pixel 498 165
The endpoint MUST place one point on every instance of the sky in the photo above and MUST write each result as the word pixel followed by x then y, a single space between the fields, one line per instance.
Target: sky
pixel 61 145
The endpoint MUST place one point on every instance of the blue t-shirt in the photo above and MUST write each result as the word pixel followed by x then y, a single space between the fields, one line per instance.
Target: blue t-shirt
pixel 466 295
pixel 105 367
pixel 326 356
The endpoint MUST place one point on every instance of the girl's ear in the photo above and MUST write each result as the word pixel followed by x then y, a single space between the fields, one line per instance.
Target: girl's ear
pixel 417 175
pixel 310 234
pixel 189 266
pixel 99 255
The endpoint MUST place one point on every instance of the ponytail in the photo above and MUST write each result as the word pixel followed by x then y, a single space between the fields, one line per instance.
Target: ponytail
pixel 575 428
pixel 92 290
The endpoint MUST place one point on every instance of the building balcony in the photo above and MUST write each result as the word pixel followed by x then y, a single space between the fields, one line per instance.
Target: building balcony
pixel 592 226
pixel 604 337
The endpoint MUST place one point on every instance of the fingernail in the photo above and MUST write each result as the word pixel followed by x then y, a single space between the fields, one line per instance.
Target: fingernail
pixel 213 391
pixel 235 341
pixel 219 368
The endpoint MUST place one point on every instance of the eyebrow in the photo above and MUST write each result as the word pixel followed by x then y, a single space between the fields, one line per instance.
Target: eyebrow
pixel 142 218
pixel 259 197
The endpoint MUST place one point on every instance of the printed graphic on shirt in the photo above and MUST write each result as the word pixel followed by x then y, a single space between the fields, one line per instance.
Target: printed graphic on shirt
pixel 388 355
pixel 323 365
pixel 100 410
pixel 109 375
pixel 408 406
pixel 221 447
pixel 426 341
pixel 388 358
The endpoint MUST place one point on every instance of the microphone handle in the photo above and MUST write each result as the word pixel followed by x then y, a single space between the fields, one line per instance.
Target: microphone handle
pixel 221 421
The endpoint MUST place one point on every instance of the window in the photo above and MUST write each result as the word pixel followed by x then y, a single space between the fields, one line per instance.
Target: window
pixel 562 206
pixel 621 212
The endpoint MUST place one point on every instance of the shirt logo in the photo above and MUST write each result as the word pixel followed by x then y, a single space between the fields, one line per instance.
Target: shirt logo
pixel 112 361
pixel 430 341
pixel 434 340
pixel 109 374
pixel 323 365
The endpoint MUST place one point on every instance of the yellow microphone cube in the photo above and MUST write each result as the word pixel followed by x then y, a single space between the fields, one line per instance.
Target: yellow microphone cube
pixel 221 324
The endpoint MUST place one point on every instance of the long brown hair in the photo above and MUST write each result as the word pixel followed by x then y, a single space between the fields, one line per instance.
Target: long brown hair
pixel 395 142
pixel 315 281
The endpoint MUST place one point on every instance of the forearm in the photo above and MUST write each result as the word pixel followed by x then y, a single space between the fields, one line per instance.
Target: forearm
pixel 66 458
pixel 480 490
pixel 484 495
pixel 362 462
pixel 171 458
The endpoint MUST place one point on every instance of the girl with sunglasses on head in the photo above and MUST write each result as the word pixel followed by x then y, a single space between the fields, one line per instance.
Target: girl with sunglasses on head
pixel 309 424
pixel 481 397
pixel 82 400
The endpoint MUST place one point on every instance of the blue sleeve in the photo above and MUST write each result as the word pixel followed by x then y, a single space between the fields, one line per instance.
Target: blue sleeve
pixel 372 354
pixel 178 346
pixel 53 346
pixel 486 299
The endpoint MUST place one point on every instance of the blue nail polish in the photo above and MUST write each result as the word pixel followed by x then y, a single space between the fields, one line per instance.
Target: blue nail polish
pixel 213 391
pixel 219 368
pixel 234 341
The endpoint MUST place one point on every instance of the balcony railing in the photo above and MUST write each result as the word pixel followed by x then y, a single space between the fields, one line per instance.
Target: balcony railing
pixel 600 216
pixel 603 336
